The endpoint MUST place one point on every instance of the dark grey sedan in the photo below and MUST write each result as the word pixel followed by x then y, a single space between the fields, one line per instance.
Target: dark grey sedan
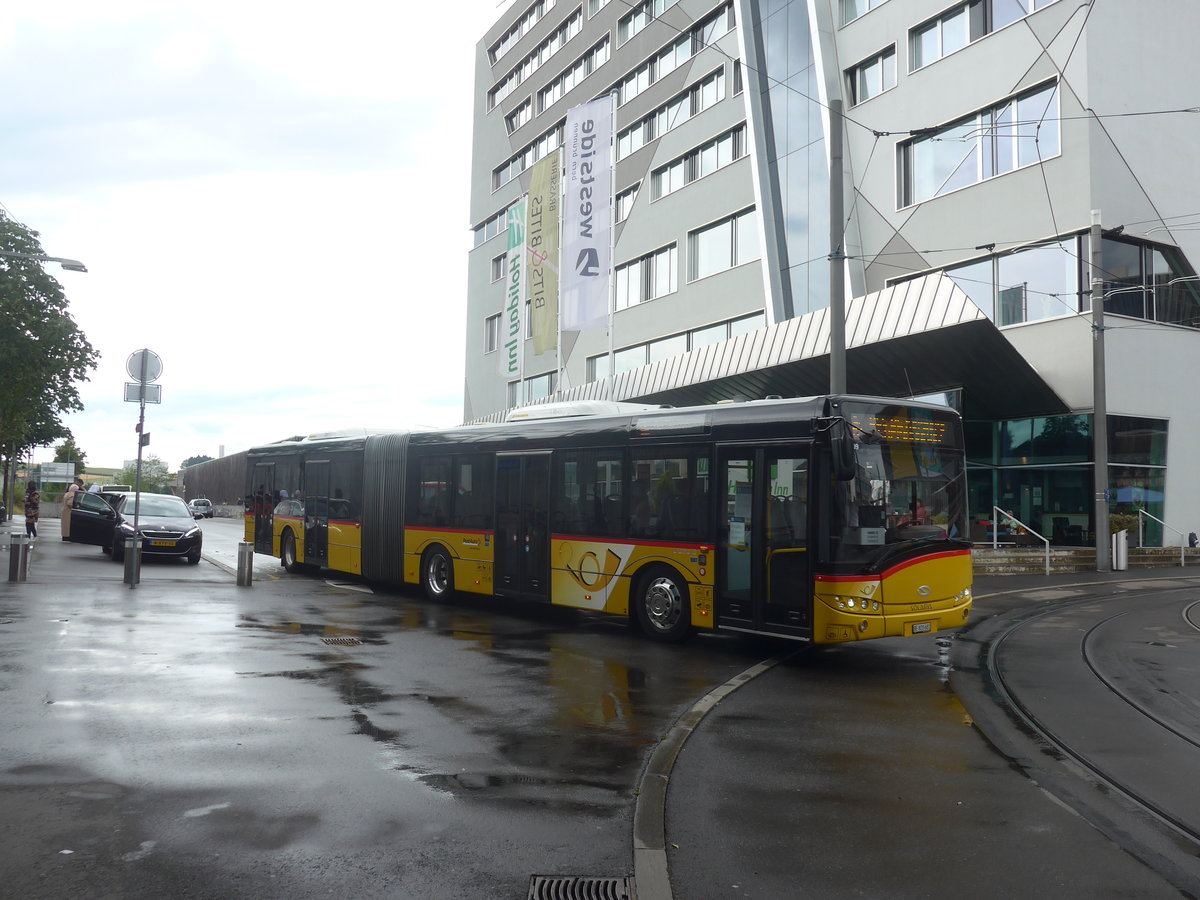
pixel 166 527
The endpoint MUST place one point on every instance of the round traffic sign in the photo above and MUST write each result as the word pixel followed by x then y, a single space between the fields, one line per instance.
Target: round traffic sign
pixel 144 366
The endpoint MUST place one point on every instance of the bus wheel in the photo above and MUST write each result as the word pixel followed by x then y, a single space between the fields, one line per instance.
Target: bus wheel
pixel 662 605
pixel 437 574
pixel 287 554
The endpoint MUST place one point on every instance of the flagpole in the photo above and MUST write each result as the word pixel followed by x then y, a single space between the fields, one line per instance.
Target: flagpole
pixel 612 242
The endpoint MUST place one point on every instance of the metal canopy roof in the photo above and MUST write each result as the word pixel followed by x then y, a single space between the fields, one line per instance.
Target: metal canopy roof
pixel 918 337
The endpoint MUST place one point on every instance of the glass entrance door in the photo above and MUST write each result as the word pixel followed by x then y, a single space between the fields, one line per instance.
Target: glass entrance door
pixel 523 525
pixel 764 580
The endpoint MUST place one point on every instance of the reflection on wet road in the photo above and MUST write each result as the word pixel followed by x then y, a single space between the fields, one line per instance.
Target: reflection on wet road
pixel 314 739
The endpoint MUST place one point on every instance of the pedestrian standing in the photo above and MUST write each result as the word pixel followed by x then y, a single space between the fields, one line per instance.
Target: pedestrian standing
pixel 67 504
pixel 32 502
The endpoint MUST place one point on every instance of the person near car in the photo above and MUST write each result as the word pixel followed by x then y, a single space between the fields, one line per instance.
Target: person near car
pixel 32 503
pixel 67 504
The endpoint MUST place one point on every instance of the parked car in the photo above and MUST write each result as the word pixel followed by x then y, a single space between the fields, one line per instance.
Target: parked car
pixel 166 527
pixel 201 508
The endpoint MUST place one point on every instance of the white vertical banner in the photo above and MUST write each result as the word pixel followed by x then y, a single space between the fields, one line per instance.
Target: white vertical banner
pixel 512 332
pixel 587 216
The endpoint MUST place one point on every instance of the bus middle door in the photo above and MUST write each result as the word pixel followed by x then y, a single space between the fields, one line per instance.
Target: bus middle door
pixel 523 525
pixel 316 512
pixel 764 577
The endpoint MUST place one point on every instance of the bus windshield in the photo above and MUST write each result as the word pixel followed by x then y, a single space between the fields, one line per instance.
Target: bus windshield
pixel 908 483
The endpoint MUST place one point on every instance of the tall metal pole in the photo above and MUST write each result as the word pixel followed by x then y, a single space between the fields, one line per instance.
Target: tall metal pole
pixel 1099 400
pixel 134 549
pixel 837 255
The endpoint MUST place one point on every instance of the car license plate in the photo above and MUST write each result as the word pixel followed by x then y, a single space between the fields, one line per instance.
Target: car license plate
pixel 162 543
pixel 922 627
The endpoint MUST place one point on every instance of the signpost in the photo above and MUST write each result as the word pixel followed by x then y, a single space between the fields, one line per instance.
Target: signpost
pixel 144 366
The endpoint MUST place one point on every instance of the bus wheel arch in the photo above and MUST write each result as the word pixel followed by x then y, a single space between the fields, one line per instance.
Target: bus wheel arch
pixel 437 572
pixel 662 604
pixel 287 552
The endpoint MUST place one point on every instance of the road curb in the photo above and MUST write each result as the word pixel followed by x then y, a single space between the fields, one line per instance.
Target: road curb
pixel 650 872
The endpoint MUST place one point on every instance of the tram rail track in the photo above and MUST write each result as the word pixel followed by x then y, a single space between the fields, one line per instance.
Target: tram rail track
pixel 1072 691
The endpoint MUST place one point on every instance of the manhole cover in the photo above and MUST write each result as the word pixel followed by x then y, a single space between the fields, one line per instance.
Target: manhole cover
pixel 343 642
pixel 574 887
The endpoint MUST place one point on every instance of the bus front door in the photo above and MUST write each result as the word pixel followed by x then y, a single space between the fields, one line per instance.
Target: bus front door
pixel 523 525
pixel 764 579
pixel 316 512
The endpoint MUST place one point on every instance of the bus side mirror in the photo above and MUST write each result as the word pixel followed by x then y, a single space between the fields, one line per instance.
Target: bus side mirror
pixel 841 446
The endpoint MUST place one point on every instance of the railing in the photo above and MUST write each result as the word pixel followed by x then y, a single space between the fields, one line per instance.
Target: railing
pixel 1028 530
pixel 1182 539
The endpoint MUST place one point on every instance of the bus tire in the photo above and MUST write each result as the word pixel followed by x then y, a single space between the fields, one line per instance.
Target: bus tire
pixel 437 573
pixel 662 605
pixel 287 554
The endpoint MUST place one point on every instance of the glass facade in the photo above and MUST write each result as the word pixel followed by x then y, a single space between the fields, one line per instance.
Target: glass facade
pixel 797 173
pixel 1041 471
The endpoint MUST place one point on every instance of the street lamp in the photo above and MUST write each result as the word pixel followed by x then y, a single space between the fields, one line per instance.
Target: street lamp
pixel 71 265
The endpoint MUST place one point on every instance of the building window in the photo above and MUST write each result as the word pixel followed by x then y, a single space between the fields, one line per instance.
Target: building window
pixel 537 58
pixel 672 345
pixel 704 160
pixel 491 333
pixel 519 116
pixel 872 76
pixel 962 25
pixel 509 39
pixel 690 102
pixel 495 225
pixel 950 31
pixel 639 17
pixel 570 78
pixel 738 85
pixel 526 157
pixel 852 9
pixel 722 245
pixel 1020 132
pixel 498 266
pixel 676 53
pixel 594 6
pixel 624 202
pixel 647 277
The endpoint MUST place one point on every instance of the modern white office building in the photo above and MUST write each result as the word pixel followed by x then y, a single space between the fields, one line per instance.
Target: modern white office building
pixel 978 142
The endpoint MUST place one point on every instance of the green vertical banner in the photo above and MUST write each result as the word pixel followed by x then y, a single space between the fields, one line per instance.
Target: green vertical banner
pixel 545 195
pixel 511 332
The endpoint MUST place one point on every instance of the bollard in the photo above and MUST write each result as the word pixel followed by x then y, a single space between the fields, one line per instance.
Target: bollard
pixel 18 557
pixel 1120 551
pixel 245 564
pixel 133 560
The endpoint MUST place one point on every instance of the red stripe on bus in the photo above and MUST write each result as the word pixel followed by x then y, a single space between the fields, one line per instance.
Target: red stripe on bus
pixel 447 530
pixel 945 554
pixel 631 543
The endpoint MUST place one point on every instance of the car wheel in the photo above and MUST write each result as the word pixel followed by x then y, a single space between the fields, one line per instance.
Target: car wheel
pixel 118 550
pixel 437 574
pixel 287 554
pixel 662 605
pixel 193 558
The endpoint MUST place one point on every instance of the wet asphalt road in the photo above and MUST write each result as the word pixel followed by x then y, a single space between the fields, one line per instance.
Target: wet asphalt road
pixel 303 738
pixel 309 737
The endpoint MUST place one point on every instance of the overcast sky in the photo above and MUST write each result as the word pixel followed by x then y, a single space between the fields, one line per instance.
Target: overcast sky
pixel 272 197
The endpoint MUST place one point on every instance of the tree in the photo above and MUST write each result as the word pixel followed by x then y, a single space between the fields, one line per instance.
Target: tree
pixel 194 461
pixel 43 355
pixel 67 452
pixel 155 477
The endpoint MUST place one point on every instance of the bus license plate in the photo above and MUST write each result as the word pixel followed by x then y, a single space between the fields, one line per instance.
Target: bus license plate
pixel 922 627
pixel 172 544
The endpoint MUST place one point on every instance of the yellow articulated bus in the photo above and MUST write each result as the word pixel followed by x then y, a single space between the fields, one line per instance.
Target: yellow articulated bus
pixel 822 519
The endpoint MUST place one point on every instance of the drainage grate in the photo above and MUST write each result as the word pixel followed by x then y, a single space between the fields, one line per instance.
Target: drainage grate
pixel 343 642
pixel 574 887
